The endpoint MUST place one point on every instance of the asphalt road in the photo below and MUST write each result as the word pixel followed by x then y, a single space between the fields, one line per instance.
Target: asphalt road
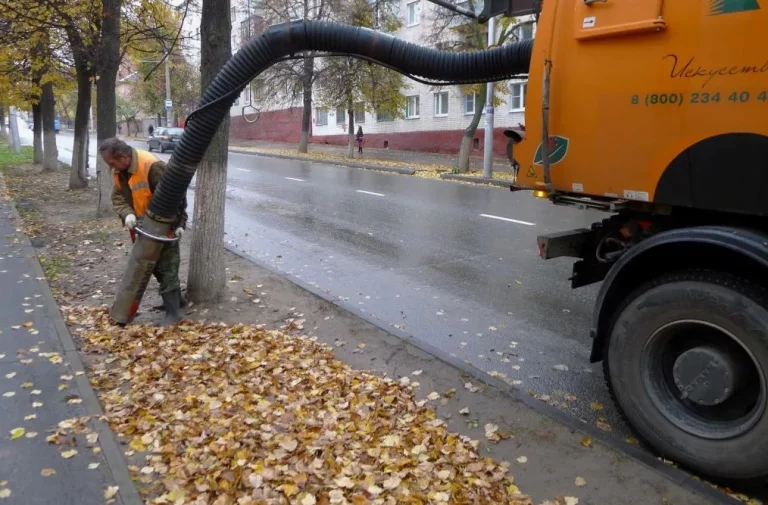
pixel 453 265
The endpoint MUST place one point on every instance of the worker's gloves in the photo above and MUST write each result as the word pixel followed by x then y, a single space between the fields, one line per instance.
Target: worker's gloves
pixel 130 221
pixel 178 232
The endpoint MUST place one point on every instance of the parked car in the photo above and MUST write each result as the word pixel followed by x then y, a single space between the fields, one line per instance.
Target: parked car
pixel 57 125
pixel 164 139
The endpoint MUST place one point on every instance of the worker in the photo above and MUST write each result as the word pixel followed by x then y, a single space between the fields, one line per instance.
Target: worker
pixel 137 174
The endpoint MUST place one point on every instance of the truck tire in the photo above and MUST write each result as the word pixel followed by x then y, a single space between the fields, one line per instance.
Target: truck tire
pixel 687 361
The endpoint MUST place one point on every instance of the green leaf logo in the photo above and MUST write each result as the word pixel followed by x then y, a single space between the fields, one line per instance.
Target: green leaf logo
pixel 558 148
pixel 717 7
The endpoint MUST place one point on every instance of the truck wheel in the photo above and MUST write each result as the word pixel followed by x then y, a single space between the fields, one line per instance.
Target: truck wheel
pixel 687 363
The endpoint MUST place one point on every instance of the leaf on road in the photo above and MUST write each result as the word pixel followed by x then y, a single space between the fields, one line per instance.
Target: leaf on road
pixel 571 500
pixel 596 406
pixel 17 433
pixel 580 482
pixel 47 472
pixel 586 442
pixel 9 394
pixel 464 411
pixel 5 493
pixel 35 392
pixel 30 417
pixel 522 460
pixel 10 375
pixel 561 368
pixel 68 454
pixel 93 466
pixel 417 372
pixel 110 492
pixel 434 395
pixel 37 405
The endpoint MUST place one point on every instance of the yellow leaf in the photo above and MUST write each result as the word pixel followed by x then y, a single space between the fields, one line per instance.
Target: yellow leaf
pixel 68 454
pixel 586 442
pixel 37 405
pixel 17 433
pixel 47 472
pixel 136 445
pixel 110 492
pixel 289 489
pixel 175 494
pixel 596 406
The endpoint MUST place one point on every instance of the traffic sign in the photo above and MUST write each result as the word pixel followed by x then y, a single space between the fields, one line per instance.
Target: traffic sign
pixel 169 104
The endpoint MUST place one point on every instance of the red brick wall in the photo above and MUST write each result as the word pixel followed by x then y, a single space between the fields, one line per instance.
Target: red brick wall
pixel 285 126
pixel 280 125
pixel 438 141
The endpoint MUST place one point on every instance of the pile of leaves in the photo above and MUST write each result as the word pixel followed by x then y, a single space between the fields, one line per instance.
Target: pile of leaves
pixel 241 415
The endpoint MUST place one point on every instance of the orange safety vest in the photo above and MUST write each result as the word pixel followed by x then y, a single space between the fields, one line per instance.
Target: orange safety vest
pixel 139 181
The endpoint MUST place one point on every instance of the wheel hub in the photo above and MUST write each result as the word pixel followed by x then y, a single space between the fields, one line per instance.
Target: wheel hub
pixel 706 375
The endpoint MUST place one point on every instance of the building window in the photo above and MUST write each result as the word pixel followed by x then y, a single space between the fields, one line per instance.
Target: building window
pixel 245 32
pixel 321 116
pixel 383 115
pixel 341 115
pixel 469 103
pixel 247 95
pixel 414 13
pixel 233 15
pixel 359 114
pixel 524 32
pixel 412 107
pixel 517 96
pixel 441 103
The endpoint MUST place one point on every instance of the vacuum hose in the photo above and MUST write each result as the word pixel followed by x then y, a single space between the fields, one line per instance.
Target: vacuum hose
pixel 277 43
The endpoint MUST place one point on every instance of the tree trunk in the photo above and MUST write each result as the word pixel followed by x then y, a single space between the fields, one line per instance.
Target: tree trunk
pixel 306 118
pixel 3 133
pixel 106 112
pixel 48 113
pixel 37 135
pixel 206 280
pixel 469 132
pixel 78 175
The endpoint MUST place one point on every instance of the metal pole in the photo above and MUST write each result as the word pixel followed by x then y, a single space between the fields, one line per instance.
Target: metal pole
pixel 14 127
pixel 488 145
pixel 168 114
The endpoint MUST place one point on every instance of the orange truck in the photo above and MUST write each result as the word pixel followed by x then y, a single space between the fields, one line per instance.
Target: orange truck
pixel 657 113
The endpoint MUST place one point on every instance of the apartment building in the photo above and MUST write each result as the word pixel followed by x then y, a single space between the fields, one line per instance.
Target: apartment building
pixel 434 118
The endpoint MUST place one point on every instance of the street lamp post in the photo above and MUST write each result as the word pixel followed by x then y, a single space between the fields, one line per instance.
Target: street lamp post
pixel 168 100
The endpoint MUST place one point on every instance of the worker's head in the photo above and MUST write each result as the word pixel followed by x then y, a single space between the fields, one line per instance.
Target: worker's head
pixel 116 153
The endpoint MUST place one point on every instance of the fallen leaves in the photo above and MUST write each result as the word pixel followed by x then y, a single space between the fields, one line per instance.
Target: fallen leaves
pixel 47 472
pixel 110 492
pixel 586 441
pixel 5 493
pixel 293 424
pixel 580 482
pixel 561 368
pixel 522 460
pixel 17 433
pixel 68 454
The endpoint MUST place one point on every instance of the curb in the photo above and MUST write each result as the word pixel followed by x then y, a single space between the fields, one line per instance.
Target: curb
pixel 366 166
pixel 110 448
pixel 673 474
pixel 502 183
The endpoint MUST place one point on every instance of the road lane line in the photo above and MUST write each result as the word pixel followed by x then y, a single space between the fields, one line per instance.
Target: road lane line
pixel 508 219
pixel 370 192
pixel 243 169
pixel 294 179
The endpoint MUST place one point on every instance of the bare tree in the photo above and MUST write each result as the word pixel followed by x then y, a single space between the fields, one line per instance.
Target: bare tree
pixel 206 280
pixel 455 32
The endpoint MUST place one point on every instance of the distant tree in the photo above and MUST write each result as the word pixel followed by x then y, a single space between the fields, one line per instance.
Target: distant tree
pixel 454 32
pixel 356 85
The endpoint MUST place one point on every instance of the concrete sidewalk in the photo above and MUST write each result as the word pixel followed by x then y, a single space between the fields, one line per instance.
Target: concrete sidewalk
pixel 53 447
pixel 370 155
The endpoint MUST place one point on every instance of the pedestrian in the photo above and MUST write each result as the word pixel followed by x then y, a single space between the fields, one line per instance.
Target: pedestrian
pixel 137 174
pixel 151 130
pixel 119 129
pixel 359 139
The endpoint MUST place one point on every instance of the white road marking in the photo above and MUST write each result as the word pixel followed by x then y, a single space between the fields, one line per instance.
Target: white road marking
pixel 243 169
pixel 508 219
pixel 370 192
pixel 294 179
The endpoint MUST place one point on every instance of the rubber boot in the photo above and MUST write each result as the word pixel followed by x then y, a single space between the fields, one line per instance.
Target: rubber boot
pixel 182 303
pixel 171 302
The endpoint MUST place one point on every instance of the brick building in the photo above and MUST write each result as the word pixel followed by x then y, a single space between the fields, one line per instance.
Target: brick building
pixel 435 118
